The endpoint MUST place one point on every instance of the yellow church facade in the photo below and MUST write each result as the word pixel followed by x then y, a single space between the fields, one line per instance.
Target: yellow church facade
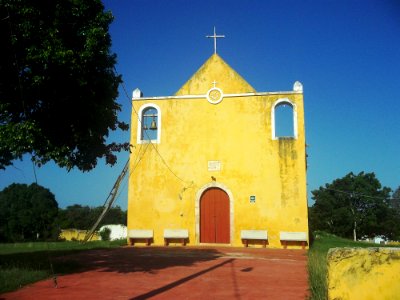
pixel 208 167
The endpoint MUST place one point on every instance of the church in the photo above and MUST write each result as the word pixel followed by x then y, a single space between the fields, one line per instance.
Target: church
pixel 210 166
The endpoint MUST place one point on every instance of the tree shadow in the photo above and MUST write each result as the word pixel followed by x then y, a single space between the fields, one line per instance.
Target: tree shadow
pixel 122 260
pixel 136 259
pixel 41 260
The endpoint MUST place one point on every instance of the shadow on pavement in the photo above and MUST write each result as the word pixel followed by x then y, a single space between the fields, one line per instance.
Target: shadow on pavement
pixel 179 282
pixel 143 259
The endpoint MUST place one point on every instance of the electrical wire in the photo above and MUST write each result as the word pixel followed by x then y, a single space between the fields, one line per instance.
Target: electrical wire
pixel 359 194
pixel 131 170
pixel 34 171
pixel 152 144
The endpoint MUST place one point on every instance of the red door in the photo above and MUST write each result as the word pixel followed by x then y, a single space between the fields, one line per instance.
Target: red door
pixel 214 217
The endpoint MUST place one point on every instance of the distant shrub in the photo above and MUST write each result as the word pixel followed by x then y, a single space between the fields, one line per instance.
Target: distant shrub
pixel 105 234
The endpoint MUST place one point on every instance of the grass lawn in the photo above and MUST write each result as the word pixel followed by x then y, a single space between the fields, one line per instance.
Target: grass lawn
pixel 24 263
pixel 317 263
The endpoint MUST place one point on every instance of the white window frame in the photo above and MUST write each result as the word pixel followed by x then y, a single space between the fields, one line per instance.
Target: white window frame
pixel 139 127
pixel 294 109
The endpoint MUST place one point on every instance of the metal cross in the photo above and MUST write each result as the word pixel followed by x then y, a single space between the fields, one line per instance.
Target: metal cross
pixel 215 36
pixel 214 83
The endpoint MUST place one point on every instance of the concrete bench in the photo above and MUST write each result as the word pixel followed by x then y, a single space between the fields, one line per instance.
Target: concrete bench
pixel 293 237
pixel 249 235
pixel 176 234
pixel 140 234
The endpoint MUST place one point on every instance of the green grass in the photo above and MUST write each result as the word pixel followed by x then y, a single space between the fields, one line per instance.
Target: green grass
pixel 25 263
pixel 317 262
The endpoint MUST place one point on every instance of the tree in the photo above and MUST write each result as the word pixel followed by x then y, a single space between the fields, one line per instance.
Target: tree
pixel 355 205
pixel 58 87
pixel 396 194
pixel 75 216
pixel 115 215
pixel 83 217
pixel 105 234
pixel 27 213
pixel 395 201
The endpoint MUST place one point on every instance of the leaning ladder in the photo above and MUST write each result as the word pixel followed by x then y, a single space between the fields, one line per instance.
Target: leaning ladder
pixel 109 202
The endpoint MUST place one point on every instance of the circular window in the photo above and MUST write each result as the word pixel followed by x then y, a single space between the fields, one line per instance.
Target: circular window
pixel 215 95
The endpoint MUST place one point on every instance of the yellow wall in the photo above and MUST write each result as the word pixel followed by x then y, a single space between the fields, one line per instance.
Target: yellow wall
pixel 164 192
pixel 365 274
pixel 77 235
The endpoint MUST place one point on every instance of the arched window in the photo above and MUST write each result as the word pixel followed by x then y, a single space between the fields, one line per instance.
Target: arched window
pixel 149 127
pixel 284 119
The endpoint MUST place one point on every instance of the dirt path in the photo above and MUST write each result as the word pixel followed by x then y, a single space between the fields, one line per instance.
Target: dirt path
pixel 179 273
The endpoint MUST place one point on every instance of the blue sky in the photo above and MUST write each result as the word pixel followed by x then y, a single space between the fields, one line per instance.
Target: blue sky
pixel 345 53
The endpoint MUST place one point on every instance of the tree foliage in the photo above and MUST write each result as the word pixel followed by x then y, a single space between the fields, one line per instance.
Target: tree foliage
pixel 395 201
pixel 105 234
pixel 354 206
pixel 58 87
pixel 27 213
pixel 83 217
pixel 396 194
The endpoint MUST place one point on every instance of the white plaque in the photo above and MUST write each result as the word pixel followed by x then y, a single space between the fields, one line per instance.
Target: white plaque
pixel 214 165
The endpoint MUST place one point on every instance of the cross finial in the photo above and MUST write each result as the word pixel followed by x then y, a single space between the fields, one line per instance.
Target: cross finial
pixel 215 36
pixel 214 83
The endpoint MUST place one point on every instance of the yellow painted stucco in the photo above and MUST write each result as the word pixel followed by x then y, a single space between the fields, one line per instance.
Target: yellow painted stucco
pixel 167 178
pixel 363 274
pixel 77 235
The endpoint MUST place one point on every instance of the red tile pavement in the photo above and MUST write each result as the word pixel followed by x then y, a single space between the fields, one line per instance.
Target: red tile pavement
pixel 178 273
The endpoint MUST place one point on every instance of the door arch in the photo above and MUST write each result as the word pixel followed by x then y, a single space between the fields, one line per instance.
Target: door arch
pixel 215 218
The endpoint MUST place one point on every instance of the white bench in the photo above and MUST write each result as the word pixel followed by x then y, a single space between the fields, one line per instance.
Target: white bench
pixel 140 234
pixel 248 235
pixel 176 234
pixel 286 236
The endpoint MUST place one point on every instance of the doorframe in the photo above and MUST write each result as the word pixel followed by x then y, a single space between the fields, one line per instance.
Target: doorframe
pixel 199 193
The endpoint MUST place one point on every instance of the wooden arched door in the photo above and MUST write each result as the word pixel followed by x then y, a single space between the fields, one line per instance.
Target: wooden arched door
pixel 214 217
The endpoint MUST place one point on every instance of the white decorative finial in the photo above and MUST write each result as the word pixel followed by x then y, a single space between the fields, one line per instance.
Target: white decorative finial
pixel 136 94
pixel 297 86
pixel 215 36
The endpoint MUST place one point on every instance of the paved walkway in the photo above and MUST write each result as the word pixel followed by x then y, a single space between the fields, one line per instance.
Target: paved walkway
pixel 179 273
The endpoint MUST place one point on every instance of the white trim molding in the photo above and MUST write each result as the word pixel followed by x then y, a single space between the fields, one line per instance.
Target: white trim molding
pixel 294 108
pixel 139 124
pixel 137 96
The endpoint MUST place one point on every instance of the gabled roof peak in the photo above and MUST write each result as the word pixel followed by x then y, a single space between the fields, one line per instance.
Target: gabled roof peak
pixel 215 72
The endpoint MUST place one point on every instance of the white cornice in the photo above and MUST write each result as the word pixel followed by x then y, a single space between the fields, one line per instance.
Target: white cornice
pixel 225 95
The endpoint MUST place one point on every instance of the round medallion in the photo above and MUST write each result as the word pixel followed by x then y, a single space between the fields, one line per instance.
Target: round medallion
pixel 214 95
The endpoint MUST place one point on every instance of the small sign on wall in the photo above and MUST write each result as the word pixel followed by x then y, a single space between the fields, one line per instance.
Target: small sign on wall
pixel 252 199
pixel 214 165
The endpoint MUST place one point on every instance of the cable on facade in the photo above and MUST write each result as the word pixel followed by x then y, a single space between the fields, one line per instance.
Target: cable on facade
pixel 152 144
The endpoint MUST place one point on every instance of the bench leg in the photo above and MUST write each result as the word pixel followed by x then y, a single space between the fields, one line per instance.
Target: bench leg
pixel 303 245
pixel 147 242
pixel 131 242
pixel 284 244
pixel 165 242
pixel 264 243
pixel 183 242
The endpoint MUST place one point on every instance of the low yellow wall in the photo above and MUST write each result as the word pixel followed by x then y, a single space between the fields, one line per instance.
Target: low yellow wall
pixel 364 273
pixel 77 235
